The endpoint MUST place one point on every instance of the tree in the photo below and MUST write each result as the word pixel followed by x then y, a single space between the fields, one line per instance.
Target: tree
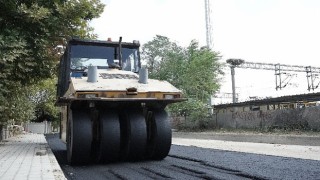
pixel 44 97
pixel 154 51
pixel 17 105
pixel 193 69
pixel 202 72
pixel 30 33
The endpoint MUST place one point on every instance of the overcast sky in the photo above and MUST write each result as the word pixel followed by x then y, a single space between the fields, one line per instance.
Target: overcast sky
pixel 273 31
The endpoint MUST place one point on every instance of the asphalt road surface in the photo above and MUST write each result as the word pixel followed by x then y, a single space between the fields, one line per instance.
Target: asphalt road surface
pixel 190 162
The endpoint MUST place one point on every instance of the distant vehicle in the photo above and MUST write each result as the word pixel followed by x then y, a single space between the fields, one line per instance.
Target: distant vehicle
pixel 110 110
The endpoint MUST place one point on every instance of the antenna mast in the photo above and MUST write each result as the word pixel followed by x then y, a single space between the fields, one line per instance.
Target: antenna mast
pixel 208 24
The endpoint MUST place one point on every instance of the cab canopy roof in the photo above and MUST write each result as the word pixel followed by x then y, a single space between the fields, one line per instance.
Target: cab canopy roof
pixel 75 41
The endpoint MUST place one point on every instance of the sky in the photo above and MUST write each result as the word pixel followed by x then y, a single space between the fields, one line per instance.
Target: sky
pixel 270 31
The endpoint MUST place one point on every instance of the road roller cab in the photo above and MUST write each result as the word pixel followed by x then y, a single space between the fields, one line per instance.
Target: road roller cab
pixel 110 110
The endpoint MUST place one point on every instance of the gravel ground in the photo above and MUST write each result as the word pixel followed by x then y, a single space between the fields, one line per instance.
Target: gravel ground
pixel 290 138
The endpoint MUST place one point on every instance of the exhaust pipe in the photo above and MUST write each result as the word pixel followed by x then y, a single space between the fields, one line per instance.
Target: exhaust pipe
pixel 143 75
pixel 92 74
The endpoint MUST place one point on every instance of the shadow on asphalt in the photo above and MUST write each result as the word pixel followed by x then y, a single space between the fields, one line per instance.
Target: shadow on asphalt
pixel 58 148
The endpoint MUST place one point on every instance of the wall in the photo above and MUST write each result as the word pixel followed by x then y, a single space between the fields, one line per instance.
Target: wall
pixel 40 128
pixel 7 131
pixel 1 132
pixel 13 130
pixel 306 118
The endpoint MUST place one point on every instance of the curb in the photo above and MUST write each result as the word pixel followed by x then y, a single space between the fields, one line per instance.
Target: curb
pixel 56 169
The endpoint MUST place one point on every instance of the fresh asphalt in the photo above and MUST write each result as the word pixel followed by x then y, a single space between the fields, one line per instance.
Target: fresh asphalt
pixel 189 162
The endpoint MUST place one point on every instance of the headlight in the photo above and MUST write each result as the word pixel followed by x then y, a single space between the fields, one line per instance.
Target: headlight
pixel 89 95
pixel 168 96
pixel 171 96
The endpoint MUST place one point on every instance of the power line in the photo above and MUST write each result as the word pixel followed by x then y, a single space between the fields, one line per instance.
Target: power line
pixel 283 78
pixel 282 67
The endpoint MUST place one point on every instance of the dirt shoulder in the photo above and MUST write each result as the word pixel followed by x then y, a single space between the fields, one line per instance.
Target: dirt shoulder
pixel 289 138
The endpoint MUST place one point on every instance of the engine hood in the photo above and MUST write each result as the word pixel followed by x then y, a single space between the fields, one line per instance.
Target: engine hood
pixel 118 80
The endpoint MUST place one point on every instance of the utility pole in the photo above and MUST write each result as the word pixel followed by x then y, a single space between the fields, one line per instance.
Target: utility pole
pixel 234 63
pixel 234 100
pixel 312 76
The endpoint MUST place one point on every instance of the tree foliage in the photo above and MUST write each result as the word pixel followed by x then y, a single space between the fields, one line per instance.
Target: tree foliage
pixel 44 97
pixel 30 33
pixel 17 106
pixel 194 70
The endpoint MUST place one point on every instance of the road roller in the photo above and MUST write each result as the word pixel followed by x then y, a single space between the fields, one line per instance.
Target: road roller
pixel 110 110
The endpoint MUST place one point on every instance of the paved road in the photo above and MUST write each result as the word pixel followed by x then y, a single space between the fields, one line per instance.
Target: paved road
pixel 189 162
